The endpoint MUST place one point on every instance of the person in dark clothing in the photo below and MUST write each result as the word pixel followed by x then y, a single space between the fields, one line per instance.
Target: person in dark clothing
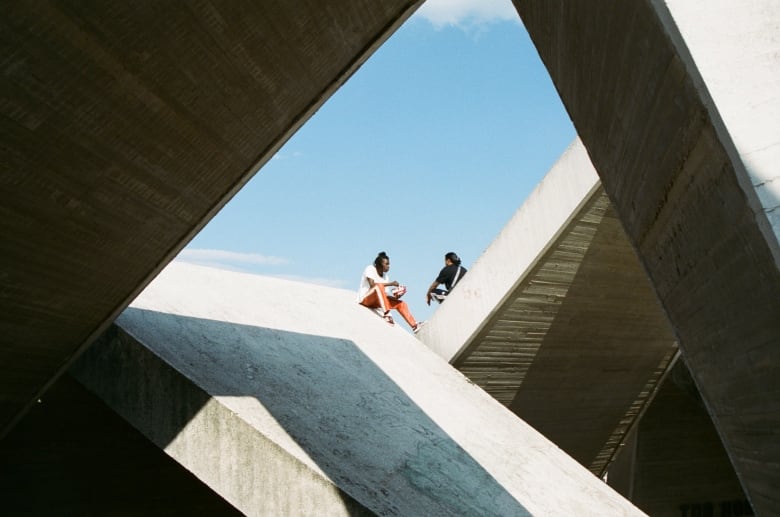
pixel 450 275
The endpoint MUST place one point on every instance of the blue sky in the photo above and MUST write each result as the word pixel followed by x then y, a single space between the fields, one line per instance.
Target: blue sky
pixel 430 147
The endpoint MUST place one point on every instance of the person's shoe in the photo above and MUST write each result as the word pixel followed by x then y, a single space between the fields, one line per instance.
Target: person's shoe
pixel 389 319
pixel 417 327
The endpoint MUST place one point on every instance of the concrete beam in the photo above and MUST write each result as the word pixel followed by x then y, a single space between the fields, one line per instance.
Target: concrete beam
pixel 557 319
pixel 668 162
pixel 287 398
pixel 72 455
pixel 125 127
pixel 518 247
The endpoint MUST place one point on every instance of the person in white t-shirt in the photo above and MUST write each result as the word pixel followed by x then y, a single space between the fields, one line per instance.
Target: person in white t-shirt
pixel 373 292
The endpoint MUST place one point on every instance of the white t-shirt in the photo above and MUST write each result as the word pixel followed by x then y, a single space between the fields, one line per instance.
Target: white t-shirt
pixel 370 272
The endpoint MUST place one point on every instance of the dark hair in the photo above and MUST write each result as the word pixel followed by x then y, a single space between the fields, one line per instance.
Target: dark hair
pixel 379 258
pixel 452 257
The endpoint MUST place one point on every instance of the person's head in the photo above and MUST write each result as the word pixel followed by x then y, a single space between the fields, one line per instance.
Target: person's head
pixel 382 262
pixel 452 258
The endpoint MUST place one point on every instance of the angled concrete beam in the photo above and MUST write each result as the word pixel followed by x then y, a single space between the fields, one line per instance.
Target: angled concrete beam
pixel 72 455
pixel 679 160
pixel 532 230
pixel 125 127
pixel 557 319
pixel 287 397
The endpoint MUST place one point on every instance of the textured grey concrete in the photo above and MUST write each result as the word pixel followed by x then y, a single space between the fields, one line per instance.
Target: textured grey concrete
pixel 290 398
pixel 557 319
pixel 675 463
pixel 679 185
pixel 72 456
pixel 736 50
pixel 125 127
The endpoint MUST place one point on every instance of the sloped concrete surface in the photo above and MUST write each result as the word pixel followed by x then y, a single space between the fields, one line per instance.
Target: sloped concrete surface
pixel 575 342
pixel 273 391
pixel 530 232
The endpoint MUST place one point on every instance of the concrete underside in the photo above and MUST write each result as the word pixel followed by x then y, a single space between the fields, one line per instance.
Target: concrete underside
pixel 72 455
pixel 679 186
pixel 576 341
pixel 330 412
pixel 125 127
pixel 674 462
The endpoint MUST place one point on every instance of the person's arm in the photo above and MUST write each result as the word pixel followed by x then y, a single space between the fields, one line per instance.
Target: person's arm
pixel 372 283
pixel 428 296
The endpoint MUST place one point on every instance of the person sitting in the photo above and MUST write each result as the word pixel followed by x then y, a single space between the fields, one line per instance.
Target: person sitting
pixel 450 275
pixel 372 293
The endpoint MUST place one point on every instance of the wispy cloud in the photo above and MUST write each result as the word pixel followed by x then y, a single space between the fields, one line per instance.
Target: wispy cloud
pixel 280 156
pixel 467 14
pixel 246 263
pixel 326 282
pixel 229 258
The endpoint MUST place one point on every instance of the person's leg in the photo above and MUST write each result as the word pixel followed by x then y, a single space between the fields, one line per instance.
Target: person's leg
pixel 403 310
pixel 376 298
pixel 439 295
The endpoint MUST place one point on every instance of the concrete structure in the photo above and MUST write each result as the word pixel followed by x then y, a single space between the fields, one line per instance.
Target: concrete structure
pixel 125 127
pixel 557 319
pixel 674 463
pixel 331 413
pixel 73 455
pixel 627 74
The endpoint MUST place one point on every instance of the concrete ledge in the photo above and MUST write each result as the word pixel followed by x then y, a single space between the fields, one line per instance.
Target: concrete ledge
pixel 287 397
pixel 521 243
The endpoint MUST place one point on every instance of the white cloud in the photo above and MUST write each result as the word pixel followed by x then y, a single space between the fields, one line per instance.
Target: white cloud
pixel 243 262
pixel 280 156
pixel 229 258
pixel 326 282
pixel 467 14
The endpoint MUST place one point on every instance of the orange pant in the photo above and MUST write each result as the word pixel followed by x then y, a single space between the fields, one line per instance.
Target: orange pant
pixel 377 299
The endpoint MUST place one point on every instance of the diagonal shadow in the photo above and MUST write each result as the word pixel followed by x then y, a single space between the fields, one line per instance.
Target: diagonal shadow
pixel 359 427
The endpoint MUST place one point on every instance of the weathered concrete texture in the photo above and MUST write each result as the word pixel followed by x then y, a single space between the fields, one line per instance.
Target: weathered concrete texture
pixel 574 341
pixel 530 232
pixel 675 463
pixel 125 127
pixel 72 455
pixel 681 191
pixel 739 63
pixel 287 397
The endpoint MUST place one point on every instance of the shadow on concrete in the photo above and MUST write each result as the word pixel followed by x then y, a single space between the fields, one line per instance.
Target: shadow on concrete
pixel 349 417
pixel 605 350
pixel 72 456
